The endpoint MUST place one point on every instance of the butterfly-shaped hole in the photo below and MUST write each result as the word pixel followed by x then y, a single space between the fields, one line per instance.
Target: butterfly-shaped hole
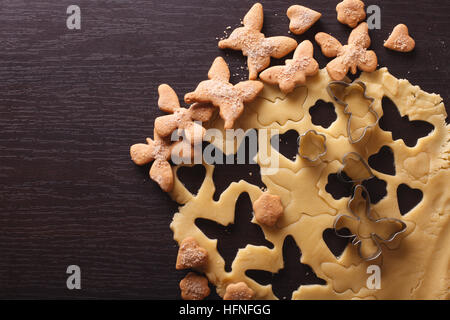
pixel 401 127
pixel 291 276
pixel 231 169
pixel 237 235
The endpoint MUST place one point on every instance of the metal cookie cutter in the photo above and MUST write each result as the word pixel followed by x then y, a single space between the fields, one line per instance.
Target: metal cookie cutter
pixel 301 146
pixel 361 191
pixel 342 103
pixel 356 157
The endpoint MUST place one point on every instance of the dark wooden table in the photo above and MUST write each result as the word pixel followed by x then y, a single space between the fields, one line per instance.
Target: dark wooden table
pixel 73 101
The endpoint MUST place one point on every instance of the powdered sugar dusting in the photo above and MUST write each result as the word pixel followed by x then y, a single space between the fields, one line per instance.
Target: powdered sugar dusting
pixel 352 55
pixel 401 43
pixel 191 255
pixel 161 149
pixel 302 19
pixel 298 64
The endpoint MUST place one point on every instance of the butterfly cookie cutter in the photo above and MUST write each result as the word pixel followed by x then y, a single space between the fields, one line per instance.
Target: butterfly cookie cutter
pixel 361 191
pixel 323 145
pixel 345 105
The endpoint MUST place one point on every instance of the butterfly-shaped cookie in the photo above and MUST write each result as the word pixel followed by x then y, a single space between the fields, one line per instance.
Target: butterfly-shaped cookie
pixel 222 94
pixel 296 69
pixel 187 120
pixel 352 56
pixel 254 45
pixel 162 148
pixel 159 151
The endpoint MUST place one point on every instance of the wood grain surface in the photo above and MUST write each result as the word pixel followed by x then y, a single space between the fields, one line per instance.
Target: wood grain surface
pixel 73 101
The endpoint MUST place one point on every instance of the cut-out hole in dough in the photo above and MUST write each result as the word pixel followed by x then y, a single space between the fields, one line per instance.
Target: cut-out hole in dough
pixel 408 198
pixel 337 187
pixel 335 243
pixel 376 188
pixel 287 144
pixel 402 127
pixel 236 235
pixel 291 276
pixel 224 174
pixel 323 114
pixel 383 161
pixel 192 177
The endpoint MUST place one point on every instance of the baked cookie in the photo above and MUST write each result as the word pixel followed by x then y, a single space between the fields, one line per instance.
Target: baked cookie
pixel 352 56
pixel 295 70
pixel 254 45
pixel 221 93
pixel 194 287
pixel 350 12
pixel 301 18
pixel 400 40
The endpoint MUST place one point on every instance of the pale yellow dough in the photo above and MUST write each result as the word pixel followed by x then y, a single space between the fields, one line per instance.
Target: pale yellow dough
pixel 417 264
